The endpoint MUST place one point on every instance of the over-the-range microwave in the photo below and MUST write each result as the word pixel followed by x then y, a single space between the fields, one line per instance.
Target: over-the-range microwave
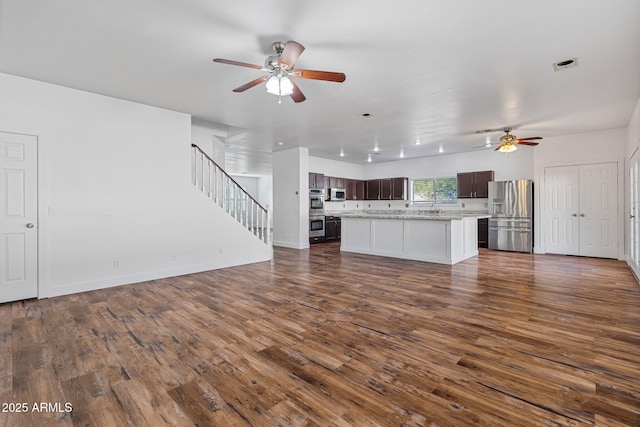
pixel 337 194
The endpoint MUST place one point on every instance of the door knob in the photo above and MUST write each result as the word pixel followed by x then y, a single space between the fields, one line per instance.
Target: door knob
pixel 30 225
pixel 574 214
pixel 582 215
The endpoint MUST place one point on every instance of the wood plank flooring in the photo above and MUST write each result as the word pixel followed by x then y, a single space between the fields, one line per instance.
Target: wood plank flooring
pixel 319 338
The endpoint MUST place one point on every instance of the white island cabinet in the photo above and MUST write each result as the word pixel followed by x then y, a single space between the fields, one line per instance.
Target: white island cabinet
pixel 443 239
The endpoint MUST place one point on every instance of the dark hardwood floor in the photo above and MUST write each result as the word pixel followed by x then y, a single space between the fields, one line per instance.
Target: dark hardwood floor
pixel 317 338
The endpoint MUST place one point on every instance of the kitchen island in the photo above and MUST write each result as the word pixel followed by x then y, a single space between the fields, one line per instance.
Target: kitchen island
pixel 443 238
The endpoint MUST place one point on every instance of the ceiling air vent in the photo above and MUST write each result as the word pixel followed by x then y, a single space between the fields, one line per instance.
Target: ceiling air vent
pixel 567 63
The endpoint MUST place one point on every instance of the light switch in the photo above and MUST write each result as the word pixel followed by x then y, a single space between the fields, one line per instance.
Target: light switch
pixel 52 210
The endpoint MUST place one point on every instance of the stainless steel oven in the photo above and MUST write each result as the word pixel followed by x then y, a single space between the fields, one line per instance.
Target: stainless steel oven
pixel 316 215
pixel 316 226
pixel 316 201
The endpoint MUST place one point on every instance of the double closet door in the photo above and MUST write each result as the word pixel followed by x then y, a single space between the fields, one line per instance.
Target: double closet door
pixel 634 213
pixel 581 210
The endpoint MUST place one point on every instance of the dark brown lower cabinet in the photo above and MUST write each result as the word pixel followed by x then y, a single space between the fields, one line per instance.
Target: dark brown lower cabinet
pixel 483 232
pixel 332 228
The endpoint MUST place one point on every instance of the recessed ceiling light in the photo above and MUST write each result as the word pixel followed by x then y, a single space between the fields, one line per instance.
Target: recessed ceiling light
pixel 280 143
pixel 567 63
pixel 441 150
pixel 369 158
pixel 487 141
pixel 401 153
pixel 341 152
pixel 376 149
pixel 417 142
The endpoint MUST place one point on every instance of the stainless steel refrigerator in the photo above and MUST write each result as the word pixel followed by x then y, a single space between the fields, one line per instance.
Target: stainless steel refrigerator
pixel 511 209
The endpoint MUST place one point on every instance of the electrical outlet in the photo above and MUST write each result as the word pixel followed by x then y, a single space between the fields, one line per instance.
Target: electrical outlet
pixel 463 204
pixel 116 263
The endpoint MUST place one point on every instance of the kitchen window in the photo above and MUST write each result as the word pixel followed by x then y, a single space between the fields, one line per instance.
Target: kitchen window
pixel 442 191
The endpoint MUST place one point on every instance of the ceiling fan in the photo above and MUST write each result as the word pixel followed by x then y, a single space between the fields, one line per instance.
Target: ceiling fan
pixel 508 142
pixel 279 68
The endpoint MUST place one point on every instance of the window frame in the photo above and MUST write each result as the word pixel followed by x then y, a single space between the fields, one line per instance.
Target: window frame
pixel 437 201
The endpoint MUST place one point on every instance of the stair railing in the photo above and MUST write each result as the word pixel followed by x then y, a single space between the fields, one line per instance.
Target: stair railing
pixel 222 189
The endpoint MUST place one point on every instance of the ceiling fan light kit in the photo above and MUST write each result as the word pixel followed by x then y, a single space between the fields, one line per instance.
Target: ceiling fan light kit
pixel 508 142
pixel 507 148
pixel 279 86
pixel 280 71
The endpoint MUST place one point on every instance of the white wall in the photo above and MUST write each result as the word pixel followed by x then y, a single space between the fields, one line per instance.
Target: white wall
pixel 591 147
pixel 335 168
pixel 117 174
pixel 517 165
pixel 633 131
pixel 265 191
pixel 291 198
pixel 205 138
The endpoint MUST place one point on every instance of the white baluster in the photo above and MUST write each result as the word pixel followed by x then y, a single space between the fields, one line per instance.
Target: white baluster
pixel 215 184
pixel 268 231
pixel 209 175
pixel 193 165
pixel 245 208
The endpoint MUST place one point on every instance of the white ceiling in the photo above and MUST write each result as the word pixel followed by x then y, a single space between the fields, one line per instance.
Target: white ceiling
pixel 428 70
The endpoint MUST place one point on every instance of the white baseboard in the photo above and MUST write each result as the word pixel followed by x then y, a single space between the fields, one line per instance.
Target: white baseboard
pixel 129 279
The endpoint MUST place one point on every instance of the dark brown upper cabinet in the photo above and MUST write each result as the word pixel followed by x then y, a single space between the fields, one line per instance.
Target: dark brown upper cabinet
pixel 316 180
pixel 387 189
pixel 335 182
pixel 474 185
pixel 372 189
pixel 354 188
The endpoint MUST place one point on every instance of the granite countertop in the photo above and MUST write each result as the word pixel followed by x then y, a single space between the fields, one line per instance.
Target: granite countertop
pixel 412 214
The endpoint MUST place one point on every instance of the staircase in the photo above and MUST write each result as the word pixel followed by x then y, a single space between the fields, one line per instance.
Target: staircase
pixel 218 186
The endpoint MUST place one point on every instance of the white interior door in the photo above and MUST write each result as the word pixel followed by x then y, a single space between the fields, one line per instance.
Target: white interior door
pixel 634 214
pixel 581 210
pixel 561 210
pixel 599 210
pixel 18 214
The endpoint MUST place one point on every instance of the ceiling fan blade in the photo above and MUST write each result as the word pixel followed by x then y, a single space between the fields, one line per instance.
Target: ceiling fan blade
pixel 320 75
pixel 527 142
pixel 251 84
pixel 241 64
pixel 533 137
pixel 292 50
pixel 498 147
pixel 297 94
pixel 489 131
